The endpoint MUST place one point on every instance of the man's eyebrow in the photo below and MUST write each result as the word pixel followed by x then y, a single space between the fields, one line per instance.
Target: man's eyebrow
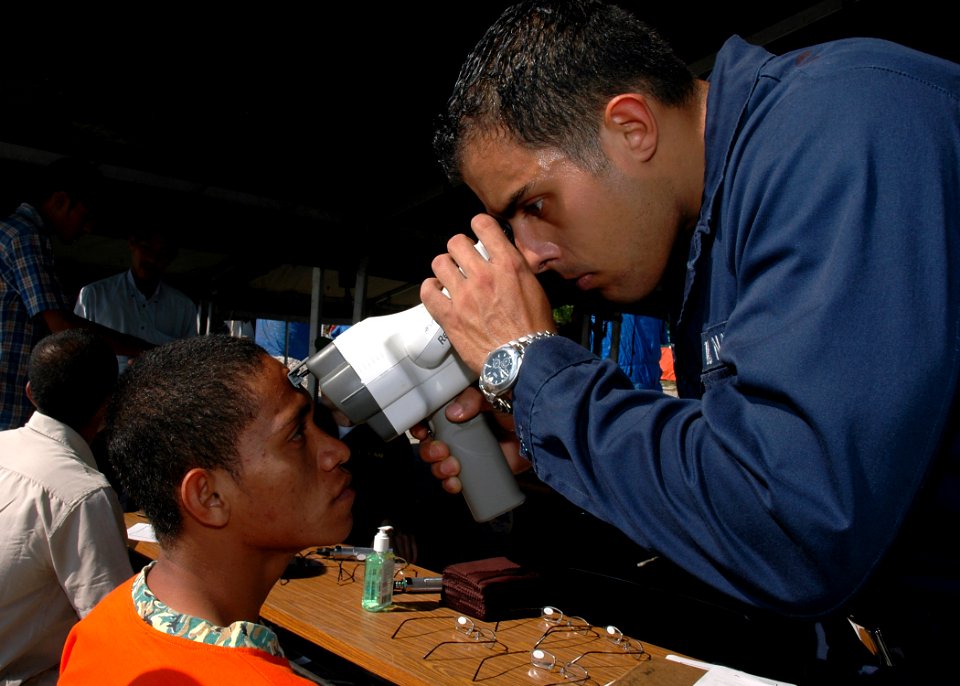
pixel 300 410
pixel 510 208
pixel 306 404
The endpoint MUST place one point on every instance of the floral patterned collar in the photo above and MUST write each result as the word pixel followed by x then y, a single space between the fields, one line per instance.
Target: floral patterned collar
pixel 238 635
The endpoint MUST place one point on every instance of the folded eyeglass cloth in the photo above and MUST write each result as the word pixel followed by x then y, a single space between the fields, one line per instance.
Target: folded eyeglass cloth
pixel 491 588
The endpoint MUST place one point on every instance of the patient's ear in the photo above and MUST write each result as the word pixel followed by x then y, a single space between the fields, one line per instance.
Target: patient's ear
pixel 201 498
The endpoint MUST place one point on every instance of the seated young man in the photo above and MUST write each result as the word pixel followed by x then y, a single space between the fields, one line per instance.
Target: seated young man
pixel 222 453
pixel 62 538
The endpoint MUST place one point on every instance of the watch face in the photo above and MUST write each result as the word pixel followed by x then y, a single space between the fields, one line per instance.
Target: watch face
pixel 499 370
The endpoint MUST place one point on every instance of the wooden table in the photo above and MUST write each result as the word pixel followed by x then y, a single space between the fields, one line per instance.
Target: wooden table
pixel 416 644
pixel 146 549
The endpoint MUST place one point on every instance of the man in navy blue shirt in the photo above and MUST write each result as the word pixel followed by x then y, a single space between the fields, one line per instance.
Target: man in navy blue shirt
pixel 800 217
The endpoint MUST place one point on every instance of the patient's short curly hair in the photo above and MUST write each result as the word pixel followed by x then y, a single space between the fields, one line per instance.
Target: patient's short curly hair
pixel 181 405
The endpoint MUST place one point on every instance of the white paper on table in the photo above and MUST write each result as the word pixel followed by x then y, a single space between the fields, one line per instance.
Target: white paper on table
pixel 142 531
pixel 724 676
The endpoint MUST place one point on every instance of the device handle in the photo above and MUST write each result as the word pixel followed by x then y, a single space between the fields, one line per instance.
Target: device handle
pixel 489 487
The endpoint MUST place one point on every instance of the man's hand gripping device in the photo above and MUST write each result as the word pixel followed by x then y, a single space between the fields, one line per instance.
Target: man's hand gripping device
pixel 395 371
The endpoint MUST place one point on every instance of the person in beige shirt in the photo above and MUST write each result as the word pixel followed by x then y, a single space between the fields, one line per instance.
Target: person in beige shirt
pixel 62 537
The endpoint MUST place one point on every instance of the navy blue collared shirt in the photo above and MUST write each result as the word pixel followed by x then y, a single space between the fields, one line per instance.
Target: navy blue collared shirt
pixel 817 335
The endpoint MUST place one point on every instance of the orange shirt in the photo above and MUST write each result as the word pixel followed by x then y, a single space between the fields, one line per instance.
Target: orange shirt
pixel 113 645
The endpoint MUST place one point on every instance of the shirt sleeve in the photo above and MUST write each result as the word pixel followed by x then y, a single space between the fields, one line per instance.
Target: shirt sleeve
pixel 89 550
pixel 190 320
pixel 35 275
pixel 82 307
pixel 785 484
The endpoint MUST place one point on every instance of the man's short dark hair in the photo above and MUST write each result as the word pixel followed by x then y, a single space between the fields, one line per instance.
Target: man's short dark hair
pixel 79 179
pixel 71 374
pixel 181 405
pixel 543 72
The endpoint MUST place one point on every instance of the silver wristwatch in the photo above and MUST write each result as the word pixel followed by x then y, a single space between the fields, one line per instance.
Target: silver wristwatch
pixel 499 372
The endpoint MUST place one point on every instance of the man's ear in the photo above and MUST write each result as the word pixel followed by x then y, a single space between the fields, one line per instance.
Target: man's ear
pixel 30 395
pixel 630 126
pixel 201 498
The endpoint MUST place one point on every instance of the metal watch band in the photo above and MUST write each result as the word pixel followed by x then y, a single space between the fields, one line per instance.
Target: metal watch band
pixel 522 342
pixel 500 403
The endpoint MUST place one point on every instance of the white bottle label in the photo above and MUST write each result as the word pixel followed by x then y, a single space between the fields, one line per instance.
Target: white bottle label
pixel 386 582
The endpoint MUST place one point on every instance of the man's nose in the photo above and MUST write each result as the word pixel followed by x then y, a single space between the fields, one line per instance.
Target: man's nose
pixel 536 250
pixel 331 451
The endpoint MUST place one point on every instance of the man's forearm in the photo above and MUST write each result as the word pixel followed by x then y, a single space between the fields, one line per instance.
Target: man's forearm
pixel 120 343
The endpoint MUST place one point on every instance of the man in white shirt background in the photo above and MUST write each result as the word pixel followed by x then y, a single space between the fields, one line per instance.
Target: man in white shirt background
pixel 138 301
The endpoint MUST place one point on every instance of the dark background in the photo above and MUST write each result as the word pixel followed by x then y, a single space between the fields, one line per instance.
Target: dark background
pixel 279 138
pixel 282 137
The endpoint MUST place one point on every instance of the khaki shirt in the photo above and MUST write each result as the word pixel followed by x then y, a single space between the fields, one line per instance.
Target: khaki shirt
pixel 62 544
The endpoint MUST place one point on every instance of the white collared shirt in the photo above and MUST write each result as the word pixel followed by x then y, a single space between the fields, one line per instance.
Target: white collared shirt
pixel 116 302
pixel 62 544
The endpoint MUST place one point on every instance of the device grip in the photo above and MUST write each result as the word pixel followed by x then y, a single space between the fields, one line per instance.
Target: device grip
pixel 489 487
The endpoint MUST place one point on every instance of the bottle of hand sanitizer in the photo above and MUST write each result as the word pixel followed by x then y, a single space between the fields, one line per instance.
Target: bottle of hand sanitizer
pixel 378 573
